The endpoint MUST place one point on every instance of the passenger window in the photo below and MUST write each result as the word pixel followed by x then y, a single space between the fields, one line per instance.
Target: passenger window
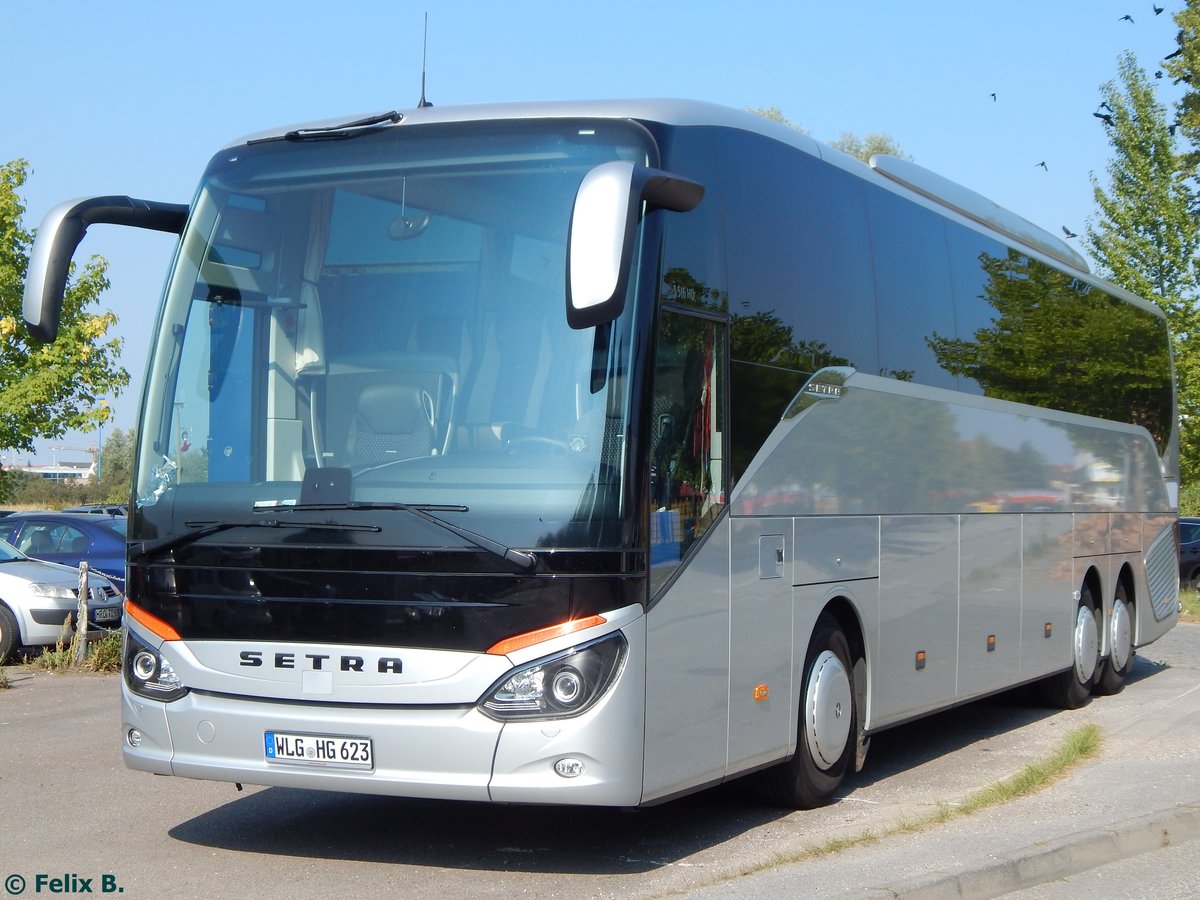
pixel 800 291
pixel 912 288
pixel 799 257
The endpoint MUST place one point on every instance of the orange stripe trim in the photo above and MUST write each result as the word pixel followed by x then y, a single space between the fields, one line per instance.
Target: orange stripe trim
pixel 154 623
pixel 529 638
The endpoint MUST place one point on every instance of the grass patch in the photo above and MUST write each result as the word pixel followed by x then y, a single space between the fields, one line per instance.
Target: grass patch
pixel 4 682
pixel 1082 743
pixel 1079 745
pixel 1191 605
pixel 103 655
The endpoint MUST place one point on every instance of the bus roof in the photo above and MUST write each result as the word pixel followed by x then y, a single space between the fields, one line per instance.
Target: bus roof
pixel 901 176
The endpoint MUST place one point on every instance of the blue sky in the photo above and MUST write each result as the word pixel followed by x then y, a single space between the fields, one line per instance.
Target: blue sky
pixel 134 97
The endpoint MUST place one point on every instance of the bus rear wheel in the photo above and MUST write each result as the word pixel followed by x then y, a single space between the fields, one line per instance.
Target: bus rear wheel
pixel 1073 688
pixel 828 724
pixel 1115 669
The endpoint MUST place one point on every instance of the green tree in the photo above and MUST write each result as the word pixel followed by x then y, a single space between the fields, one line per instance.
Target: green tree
pixel 865 147
pixel 116 474
pixel 47 390
pixel 1145 236
pixel 1184 67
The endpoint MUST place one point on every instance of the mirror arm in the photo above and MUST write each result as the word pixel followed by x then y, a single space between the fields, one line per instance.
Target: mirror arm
pixel 59 236
pixel 670 191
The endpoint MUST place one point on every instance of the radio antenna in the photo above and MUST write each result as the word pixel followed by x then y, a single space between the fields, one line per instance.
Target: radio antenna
pixel 423 103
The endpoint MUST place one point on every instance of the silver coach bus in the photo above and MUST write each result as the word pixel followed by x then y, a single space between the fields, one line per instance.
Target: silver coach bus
pixel 597 453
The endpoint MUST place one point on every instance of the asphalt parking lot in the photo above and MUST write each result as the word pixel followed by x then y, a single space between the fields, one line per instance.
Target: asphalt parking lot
pixel 76 811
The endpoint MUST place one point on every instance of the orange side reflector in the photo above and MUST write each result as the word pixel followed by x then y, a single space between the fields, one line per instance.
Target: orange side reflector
pixel 760 692
pixel 154 623
pixel 529 638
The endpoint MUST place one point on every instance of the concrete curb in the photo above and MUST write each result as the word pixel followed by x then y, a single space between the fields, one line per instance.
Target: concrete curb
pixel 1069 855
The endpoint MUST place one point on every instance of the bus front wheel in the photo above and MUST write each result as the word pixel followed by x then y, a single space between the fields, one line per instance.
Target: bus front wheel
pixel 828 724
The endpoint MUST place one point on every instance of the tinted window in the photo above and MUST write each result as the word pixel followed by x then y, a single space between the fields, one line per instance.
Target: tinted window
pixel 800 288
pixel 912 287
pixel 1033 334
pixel 693 243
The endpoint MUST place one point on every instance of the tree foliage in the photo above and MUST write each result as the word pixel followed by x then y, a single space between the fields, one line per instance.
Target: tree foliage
pixel 865 147
pixel 860 147
pixel 1184 66
pixel 1145 237
pixel 47 390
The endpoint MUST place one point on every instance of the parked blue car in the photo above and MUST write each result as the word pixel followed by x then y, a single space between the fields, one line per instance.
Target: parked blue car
pixel 1189 552
pixel 70 538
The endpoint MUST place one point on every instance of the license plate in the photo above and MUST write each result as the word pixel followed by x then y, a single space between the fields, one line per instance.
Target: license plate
pixel 107 614
pixel 329 750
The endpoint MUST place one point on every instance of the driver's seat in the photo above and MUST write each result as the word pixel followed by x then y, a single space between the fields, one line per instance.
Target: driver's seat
pixel 392 422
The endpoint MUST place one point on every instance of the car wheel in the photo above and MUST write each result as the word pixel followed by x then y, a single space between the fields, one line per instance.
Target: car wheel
pixel 10 635
pixel 1191 581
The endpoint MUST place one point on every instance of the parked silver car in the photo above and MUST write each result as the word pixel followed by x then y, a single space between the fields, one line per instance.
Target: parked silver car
pixel 36 598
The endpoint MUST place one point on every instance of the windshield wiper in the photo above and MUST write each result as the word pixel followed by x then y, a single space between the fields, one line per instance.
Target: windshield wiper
pixel 151 549
pixel 333 132
pixel 424 512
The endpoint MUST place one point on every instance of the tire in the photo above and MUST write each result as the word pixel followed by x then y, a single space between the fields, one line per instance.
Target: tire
pixel 10 635
pixel 1073 688
pixel 827 730
pixel 1192 580
pixel 1115 669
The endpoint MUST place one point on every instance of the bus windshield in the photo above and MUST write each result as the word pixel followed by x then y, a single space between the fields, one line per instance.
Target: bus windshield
pixel 378 318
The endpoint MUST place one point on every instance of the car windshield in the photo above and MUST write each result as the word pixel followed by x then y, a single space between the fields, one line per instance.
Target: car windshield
pixel 379 319
pixel 9 553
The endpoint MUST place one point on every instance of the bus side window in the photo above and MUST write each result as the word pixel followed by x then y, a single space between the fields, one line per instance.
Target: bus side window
pixel 687 475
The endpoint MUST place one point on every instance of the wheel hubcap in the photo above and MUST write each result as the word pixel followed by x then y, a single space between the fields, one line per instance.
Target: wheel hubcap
pixel 1120 635
pixel 1087 644
pixel 827 704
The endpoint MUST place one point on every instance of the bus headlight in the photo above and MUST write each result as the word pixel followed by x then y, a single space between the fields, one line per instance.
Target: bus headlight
pixel 147 673
pixel 559 686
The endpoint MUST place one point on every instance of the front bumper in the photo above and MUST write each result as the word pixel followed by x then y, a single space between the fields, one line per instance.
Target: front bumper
pixel 439 752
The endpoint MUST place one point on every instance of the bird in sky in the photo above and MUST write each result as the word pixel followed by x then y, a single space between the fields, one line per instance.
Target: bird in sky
pixel 1157 9
pixel 1042 164
pixel 1158 73
pixel 1127 18
pixel 1069 233
pixel 1104 105
pixel 993 96
pixel 1173 55
pixel 1171 128
pixel 1105 118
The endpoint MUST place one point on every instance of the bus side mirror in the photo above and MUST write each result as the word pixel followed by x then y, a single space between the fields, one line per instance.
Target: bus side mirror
pixel 59 235
pixel 603 225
